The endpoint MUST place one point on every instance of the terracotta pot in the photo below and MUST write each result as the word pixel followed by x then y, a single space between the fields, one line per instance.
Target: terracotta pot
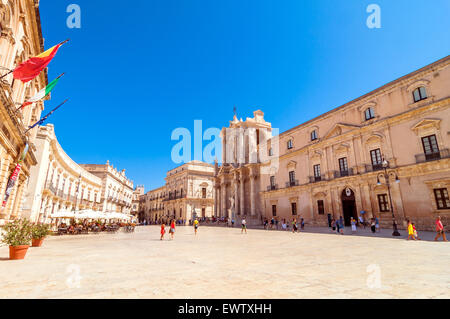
pixel 18 252
pixel 37 242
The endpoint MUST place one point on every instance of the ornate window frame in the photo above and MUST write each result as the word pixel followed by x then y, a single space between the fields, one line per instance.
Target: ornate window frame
pixel 435 184
pixel 413 86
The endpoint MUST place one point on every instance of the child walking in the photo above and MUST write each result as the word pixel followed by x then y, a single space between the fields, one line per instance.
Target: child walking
pixel 353 222
pixel 411 231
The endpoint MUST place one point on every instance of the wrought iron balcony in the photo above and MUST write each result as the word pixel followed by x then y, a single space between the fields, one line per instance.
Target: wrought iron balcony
pixel 422 158
pixel 272 187
pixel 292 183
pixel 338 174
pixel 51 188
pixel 373 167
pixel 315 179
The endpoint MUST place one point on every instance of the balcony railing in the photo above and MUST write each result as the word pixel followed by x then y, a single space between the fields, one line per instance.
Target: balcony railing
pixel 60 193
pixel 49 186
pixel 173 197
pixel 373 167
pixel 338 174
pixel 315 179
pixel 272 187
pixel 292 183
pixel 422 158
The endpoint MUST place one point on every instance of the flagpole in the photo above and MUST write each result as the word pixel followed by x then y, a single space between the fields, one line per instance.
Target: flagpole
pixel 5 75
pixel 45 117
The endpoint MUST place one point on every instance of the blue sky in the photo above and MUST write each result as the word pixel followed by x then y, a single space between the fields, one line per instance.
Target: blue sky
pixel 135 73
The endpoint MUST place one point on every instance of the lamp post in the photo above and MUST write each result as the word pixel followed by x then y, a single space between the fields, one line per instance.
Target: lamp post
pixel 386 175
pixel 76 193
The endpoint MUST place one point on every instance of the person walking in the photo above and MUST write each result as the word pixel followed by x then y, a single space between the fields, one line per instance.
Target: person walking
pixel 338 226
pixel 333 224
pixel 302 223
pixel 416 235
pixel 294 226
pixel 440 229
pixel 377 224
pixel 196 223
pixel 361 220
pixel 172 228
pixel 372 225
pixel 163 231
pixel 341 225
pixel 410 231
pixel 353 222
pixel 244 226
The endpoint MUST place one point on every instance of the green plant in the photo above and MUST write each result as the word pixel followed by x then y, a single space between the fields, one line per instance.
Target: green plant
pixel 40 231
pixel 17 233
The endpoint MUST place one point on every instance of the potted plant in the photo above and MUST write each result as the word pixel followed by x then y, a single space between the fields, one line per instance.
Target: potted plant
pixel 39 232
pixel 17 235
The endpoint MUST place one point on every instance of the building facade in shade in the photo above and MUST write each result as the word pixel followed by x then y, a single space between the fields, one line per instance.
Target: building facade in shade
pixel 188 193
pixel 117 189
pixel 20 39
pixel 388 146
pixel 58 183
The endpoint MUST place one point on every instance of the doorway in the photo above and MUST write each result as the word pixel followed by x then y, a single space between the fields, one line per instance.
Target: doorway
pixel 348 206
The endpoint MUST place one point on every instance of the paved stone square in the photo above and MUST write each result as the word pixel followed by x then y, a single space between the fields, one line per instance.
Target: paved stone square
pixel 223 263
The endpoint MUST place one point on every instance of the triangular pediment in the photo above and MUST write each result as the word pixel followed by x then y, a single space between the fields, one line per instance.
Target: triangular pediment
pixel 426 124
pixel 339 129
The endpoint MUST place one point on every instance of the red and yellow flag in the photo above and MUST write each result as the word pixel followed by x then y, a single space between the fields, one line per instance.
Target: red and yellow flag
pixel 31 68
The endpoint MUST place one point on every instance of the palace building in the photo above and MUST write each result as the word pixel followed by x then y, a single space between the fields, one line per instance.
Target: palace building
pixel 20 39
pixel 384 154
pixel 58 183
pixel 117 189
pixel 187 194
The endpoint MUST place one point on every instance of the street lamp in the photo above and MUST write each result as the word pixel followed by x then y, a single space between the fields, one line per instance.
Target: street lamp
pixel 76 193
pixel 385 165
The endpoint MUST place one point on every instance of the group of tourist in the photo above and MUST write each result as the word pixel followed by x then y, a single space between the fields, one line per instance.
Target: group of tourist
pixel 337 226
pixel 172 224
pixel 273 224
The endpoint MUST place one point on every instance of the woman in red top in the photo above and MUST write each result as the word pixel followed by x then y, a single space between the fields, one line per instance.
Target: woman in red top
pixel 163 230
pixel 439 229
pixel 172 228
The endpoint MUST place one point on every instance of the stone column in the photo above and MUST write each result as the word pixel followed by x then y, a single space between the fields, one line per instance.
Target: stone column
pixel 252 194
pixel 242 196
pixel 223 199
pixel 236 193
pixel 216 199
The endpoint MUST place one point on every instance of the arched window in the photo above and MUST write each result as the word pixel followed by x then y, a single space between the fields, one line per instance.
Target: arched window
pixel 369 114
pixel 314 135
pixel 420 94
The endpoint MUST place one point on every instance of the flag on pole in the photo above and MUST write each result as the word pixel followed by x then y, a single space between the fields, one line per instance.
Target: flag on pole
pixel 31 68
pixel 42 93
pixel 42 120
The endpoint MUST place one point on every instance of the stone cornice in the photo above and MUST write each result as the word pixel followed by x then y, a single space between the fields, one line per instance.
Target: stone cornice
pixel 381 124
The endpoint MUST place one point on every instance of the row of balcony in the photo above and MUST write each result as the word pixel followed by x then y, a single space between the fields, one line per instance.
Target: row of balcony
pixel 173 197
pixel 421 158
pixel 61 194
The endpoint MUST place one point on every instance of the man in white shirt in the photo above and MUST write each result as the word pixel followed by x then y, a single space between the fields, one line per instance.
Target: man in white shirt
pixel 244 226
